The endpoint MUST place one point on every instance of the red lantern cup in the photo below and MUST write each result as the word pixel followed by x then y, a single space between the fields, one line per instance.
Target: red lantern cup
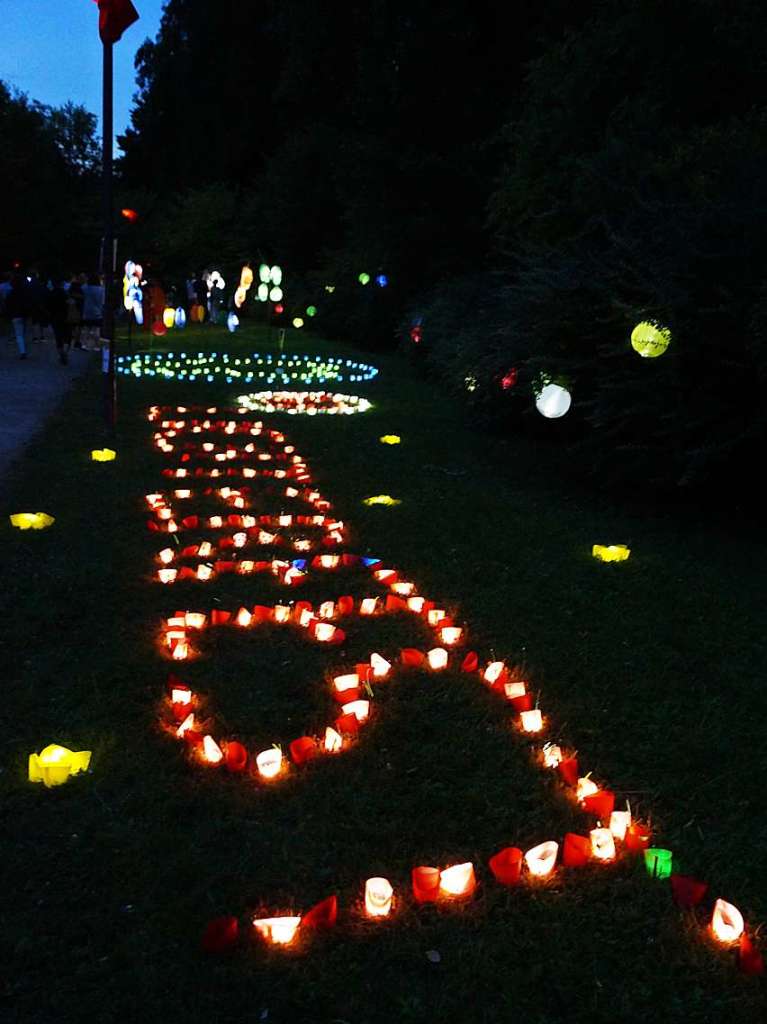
pixel 412 658
pixel 600 804
pixel 470 664
pixel 750 960
pixel 220 935
pixel 425 884
pixel 568 770
pixel 638 837
pixel 235 757
pixel 507 865
pixel 577 851
pixel 522 703
pixel 687 892
pixel 322 915
pixel 303 749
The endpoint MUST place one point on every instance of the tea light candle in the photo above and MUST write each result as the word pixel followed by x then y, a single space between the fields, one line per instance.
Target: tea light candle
pixel 378 897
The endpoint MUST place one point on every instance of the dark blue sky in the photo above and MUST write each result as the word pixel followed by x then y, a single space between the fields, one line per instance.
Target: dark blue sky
pixel 50 49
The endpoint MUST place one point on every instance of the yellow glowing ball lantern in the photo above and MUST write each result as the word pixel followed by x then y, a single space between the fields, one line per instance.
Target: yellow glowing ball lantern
pixel 650 339
pixel 103 455
pixel 279 930
pixel 240 296
pixel 611 552
pixel 246 277
pixel 54 765
pixel 31 520
pixel 298 322
pixel 169 317
pixel 390 439
pixel 378 897
pixel 726 922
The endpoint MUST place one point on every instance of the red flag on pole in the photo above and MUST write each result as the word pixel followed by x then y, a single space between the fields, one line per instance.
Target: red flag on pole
pixel 114 17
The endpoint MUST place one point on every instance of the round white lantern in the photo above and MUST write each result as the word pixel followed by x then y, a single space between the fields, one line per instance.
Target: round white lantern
pixel 553 401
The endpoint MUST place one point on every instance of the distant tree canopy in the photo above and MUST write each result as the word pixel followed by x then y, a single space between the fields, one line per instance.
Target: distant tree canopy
pixel 49 160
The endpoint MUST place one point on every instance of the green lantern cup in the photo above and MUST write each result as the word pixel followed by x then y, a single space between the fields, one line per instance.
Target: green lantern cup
pixel 658 863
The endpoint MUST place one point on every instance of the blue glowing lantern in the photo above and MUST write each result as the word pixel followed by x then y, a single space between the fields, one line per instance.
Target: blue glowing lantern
pixel 180 317
pixel 382 280
pixel 138 312
pixel 232 322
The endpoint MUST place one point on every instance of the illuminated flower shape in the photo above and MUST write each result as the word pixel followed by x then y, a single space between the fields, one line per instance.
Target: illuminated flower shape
pixel 103 455
pixel 611 552
pixel 381 499
pixel 31 520
pixel 54 765
pixel 650 339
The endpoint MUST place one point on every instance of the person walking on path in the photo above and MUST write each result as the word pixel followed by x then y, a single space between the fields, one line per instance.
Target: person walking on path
pixel 57 313
pixel 93 312
pixel 18 306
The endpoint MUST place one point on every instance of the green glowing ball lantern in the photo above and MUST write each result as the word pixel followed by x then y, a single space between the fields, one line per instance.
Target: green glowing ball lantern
pixel 276 275
pixel 364 278
pixel 311 311
pixel 263 292
pixel 264 273
pixel 650 339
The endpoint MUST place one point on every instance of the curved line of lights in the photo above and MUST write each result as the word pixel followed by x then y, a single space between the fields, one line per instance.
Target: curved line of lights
pixel 213 367
pixel 307 403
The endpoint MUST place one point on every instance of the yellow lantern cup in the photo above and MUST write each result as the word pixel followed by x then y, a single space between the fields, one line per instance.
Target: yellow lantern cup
pixel 611 552
pixel 103 455
pixel 54 765
pixel 458 880
pixel 31 520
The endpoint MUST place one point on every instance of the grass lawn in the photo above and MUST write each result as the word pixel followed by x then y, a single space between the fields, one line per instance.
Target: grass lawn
pixel 653 669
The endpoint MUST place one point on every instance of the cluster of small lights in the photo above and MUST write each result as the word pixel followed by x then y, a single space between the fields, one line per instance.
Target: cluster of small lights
pixel 615 832
pixel 307 403
pixel 213 367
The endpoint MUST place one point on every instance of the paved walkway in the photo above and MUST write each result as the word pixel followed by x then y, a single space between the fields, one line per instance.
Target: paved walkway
pixel 30 389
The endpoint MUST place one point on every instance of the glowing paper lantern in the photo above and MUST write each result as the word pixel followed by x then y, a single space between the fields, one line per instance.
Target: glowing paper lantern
pixel 650 339
pixel 169 317
pixel 378 897
pixel 103 455
pixel 611 552
pixel 552 755
pixel 437 658
pixel 264 273
pixel 54 764
pixel 158 328
pixel 211 751
pixel 602 843
pixel 726 922
pixel 458 880
pixel 180 318
pixel 363 278
pixel 31 520
pixel 275 294
pixel 311 311
pixel 390 439
pixel 298 321
pixel 333 741
pixel 541 859
pixel 278 930
pixel 532 721
pixel 425 881
pixel 382 280
pixel 553 401
pixel 659 863
pixel 269 763
pixel 275 275
pixel 619 823
pixel 232 322
pixel 359 708
pixel 507 865
pixel 263 292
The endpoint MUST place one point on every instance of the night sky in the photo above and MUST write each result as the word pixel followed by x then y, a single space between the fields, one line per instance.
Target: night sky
pixel 51 50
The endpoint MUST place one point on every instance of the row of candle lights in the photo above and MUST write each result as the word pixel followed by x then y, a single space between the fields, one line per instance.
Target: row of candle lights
pixel 458 881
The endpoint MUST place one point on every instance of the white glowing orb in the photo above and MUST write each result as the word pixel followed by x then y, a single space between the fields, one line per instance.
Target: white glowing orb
pixel 553 401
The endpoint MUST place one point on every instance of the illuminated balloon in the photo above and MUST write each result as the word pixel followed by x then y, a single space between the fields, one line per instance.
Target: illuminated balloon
pixel 553 401
pixel 263 292
pixel 275 294
pixel 180 317
pixel 232 322
pixel 650 339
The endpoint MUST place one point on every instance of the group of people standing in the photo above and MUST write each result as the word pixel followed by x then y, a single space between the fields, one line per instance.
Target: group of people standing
pixel 72 307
